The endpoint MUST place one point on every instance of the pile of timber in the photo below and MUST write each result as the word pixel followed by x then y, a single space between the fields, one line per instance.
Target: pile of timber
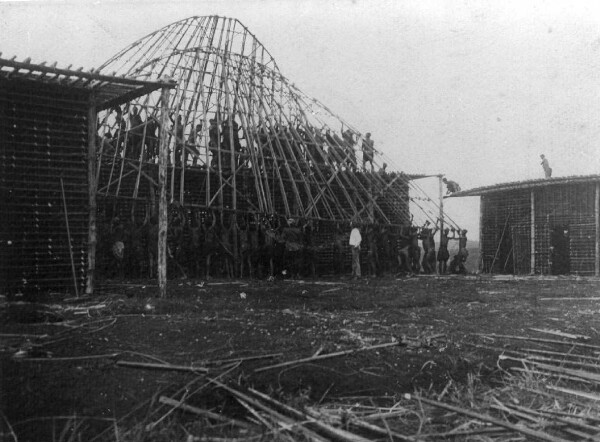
pixel 549 392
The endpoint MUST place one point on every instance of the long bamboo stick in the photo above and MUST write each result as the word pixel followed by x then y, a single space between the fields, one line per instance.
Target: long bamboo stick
pixel 162 202
pixel 155 366
pixel 327 356
pixel 547 341
pixel 482 417
pixel 64 199
pixel 322 427
pixel 92 188
pixel 204 413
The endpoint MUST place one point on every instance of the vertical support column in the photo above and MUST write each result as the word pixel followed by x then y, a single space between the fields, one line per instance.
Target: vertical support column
pixel 162 200
pixel 481 209
pixel 597 214
pixel 441 195
pixel 92 188
pixel 532 270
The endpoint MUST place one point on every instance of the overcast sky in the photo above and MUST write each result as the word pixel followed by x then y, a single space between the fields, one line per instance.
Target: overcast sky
pixel 473 89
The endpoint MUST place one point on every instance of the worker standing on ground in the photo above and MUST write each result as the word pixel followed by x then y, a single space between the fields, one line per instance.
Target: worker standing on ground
pixel 355 240
pixel 443 254
pixel 457 265
pixel 546 166
pixel 451 186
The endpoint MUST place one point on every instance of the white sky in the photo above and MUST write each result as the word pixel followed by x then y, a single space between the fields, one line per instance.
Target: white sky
pixel 473 89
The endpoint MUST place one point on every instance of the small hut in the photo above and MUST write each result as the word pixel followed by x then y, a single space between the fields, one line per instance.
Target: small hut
pixel 48 137
pixel 548 226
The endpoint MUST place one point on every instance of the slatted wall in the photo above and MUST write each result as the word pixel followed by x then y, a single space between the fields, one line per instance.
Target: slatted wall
pixel 506 229
pixel 43 138
pixel 505 232
pixel 570 207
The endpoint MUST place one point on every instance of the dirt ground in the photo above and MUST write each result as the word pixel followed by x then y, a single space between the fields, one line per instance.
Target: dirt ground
pixel 203 323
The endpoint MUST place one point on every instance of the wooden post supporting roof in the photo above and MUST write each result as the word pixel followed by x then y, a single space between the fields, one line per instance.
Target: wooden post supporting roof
pixel 532 232
pixel 480 259
pixel 92 186
pixel 441 195
pixel 162 201
pixel 597 214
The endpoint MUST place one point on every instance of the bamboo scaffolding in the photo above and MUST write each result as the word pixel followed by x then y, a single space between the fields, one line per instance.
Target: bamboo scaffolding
pixel 223 72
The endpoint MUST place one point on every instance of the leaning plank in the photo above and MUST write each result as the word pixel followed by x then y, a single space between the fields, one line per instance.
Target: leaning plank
pixel 547 341
pixel 482 417
pixel 326 356
pixel 560 333
pixel 153 366
pixel 200 412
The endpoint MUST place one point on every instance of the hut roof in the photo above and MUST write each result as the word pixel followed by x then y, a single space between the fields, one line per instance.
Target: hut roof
pixel 528 184
pixel 110 90
pixel 301 159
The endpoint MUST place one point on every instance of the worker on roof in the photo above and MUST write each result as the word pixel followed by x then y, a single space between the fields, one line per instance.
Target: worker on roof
pixel 546 166
pixel 368 147
pixel 451 186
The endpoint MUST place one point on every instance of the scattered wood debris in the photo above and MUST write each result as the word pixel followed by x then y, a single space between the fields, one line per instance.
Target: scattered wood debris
pixel 560 333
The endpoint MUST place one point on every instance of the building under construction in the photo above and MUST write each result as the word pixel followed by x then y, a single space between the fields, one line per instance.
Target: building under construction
pixel 549 226
pixel 196 115
pixel 241 137
pixel 47 166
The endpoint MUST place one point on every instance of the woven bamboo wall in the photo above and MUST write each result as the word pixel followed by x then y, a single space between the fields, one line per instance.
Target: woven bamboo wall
pixel 43 138
pixel 506 228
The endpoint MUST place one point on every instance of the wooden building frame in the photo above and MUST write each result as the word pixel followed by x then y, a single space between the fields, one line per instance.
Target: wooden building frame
pixel 547 226
pixel 48 157
pixel 242 137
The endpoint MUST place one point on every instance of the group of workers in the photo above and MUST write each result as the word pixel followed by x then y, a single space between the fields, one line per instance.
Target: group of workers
pixel 204 243
pixel 229 145
pixel 406 251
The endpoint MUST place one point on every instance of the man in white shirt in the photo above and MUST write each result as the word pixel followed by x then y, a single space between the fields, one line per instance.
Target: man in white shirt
pixel 355 240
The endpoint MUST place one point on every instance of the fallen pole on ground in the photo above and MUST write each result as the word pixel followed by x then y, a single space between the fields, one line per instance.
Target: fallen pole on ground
pixel 484 418
pixel 200 412
pixel 326 356
pixel 547 341
pixel 153 366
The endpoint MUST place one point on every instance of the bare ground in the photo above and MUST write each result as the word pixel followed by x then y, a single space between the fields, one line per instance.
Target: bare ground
pixel 437 322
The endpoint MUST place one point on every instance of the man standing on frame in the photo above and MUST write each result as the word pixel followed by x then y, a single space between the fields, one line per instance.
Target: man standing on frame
pixel 546 166
pixel 355 240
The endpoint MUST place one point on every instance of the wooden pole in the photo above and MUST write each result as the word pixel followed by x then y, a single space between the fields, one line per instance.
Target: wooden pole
pixel 485 418
pixel 532 270
pixel 481 209
pixel 92 188
pixel 597 210
pixel 441 196
pixel 62 188
pixel 162 201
